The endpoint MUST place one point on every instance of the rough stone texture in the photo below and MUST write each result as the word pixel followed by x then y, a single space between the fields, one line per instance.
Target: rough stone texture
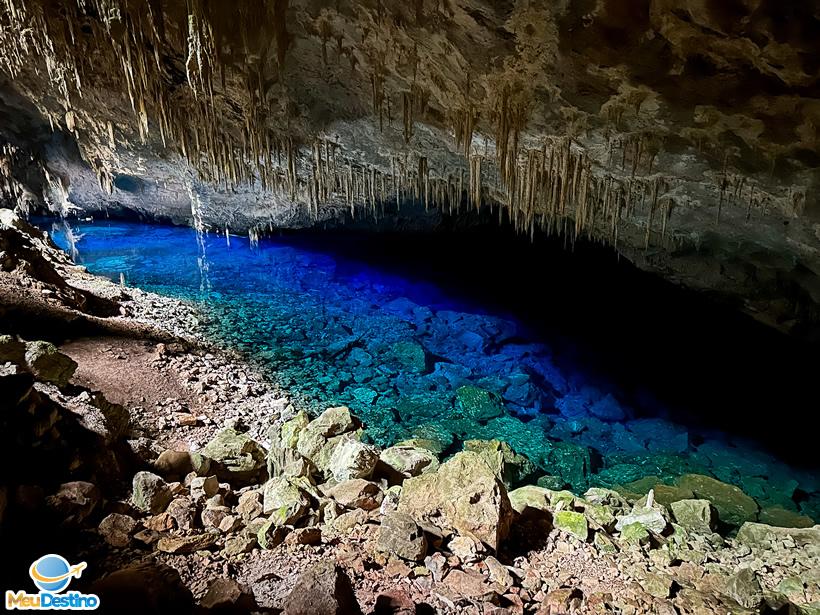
pixel 235 455
pixel 150 493
pixel 510 467
pixel 117 529
pixel 284 501
pixel 322 589
pixel 694 515
pixel 74 501
pixel 733 506
pixel 703 117
pixel 400 535
pixel 48 363
pixel 407 461
pixel 352 459
pixel 572 522
pixel 357 493
pixel 462 495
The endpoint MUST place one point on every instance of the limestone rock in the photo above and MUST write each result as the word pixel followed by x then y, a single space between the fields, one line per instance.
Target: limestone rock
pixel 650 518
pixel 49 364
pixel 529 496
pixel 179 545
pixel 283 441
pixel 572 522
pixel 117 529
pixel 183 511
pixel 322 589
pixel 477 404
pixel 462 495
pixel 284 501
pixel 74 501
pixel 695 515
pixel 744 588
pixel 250 505
pixel 171 464
pixel 352 459
pixel 510 467
pixel 150 493
pixel 401 536
pixel 733 506
pixel 357 493
pixel 236 457
pixel 227 595
pixel 408 461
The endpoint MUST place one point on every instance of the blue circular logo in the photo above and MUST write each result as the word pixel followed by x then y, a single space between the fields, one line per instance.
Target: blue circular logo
pixel 51 573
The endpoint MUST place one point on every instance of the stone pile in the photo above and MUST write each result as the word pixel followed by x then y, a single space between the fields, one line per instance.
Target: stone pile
pixel 448 531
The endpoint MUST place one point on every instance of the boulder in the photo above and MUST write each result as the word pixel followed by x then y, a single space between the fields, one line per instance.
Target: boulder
pixel 352 459
pixel 571 462
pixel 462 495
pixel 49 364
pixel 399 535
pixel 744 588
pixel 694 515
pixel 476 404
pixel 284 501
pixel 781 517
pixel 74 501
pixel 650 518
pixel 529 496
pixel 572 522
pixel 357 493
pixel 183 511
pixel 250 506
pixel 173 464
pixel 510 467
pixel 733 506
pixel 150 493
pixel 180 545
pixel 117 529
pixel 322 589
pixel 12 350
pixel 410 356
pixel 228 596
pixel 408 461
pixel 283 440
pixel 235 456
pixel 761 536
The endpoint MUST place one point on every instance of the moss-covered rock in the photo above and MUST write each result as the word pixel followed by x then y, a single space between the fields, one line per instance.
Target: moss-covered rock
pixel 694 515
pixel 529 496
pixel 49 364
pixel 572 522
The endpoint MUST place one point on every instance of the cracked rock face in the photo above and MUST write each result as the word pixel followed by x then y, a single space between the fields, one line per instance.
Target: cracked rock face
pixel 682 132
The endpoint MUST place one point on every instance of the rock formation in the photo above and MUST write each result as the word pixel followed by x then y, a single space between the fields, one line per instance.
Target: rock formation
pixel 682 133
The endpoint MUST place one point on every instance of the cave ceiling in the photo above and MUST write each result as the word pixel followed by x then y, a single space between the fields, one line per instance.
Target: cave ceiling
pixel 684 133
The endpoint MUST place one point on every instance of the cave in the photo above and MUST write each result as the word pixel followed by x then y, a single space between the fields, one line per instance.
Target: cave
pixel 451 306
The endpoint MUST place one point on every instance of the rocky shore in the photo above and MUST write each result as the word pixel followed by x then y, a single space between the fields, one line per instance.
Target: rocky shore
pixel 188 481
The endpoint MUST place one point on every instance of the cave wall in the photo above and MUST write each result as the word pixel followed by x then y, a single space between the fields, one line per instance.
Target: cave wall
pixel 681 132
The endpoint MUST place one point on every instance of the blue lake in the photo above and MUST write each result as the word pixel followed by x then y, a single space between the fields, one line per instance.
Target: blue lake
pixel 415 359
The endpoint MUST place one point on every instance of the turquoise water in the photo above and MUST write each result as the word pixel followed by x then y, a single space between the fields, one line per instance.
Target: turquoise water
pixel 414 359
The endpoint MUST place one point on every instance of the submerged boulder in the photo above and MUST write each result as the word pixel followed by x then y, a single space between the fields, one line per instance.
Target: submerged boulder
pixel 733 506
pixel 235 456
pixel 463 495
pixel 477 404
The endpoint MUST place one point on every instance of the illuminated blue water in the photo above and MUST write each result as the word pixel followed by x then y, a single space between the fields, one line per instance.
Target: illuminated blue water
pixel 400 353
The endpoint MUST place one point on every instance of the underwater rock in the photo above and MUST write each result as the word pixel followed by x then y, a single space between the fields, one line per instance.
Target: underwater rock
pixel 400 535
pixel 462 495
pixel 476 404
pixel 780 517
pixel 608 409
pixel 49 364
pixel 659 435
pixel 150 494
pixel 408 461
pixel 410 356
pixel 571 462
pixel 352 458
pixel 733 506
pixel 695 515
pixel 509 467
pixel 235 456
